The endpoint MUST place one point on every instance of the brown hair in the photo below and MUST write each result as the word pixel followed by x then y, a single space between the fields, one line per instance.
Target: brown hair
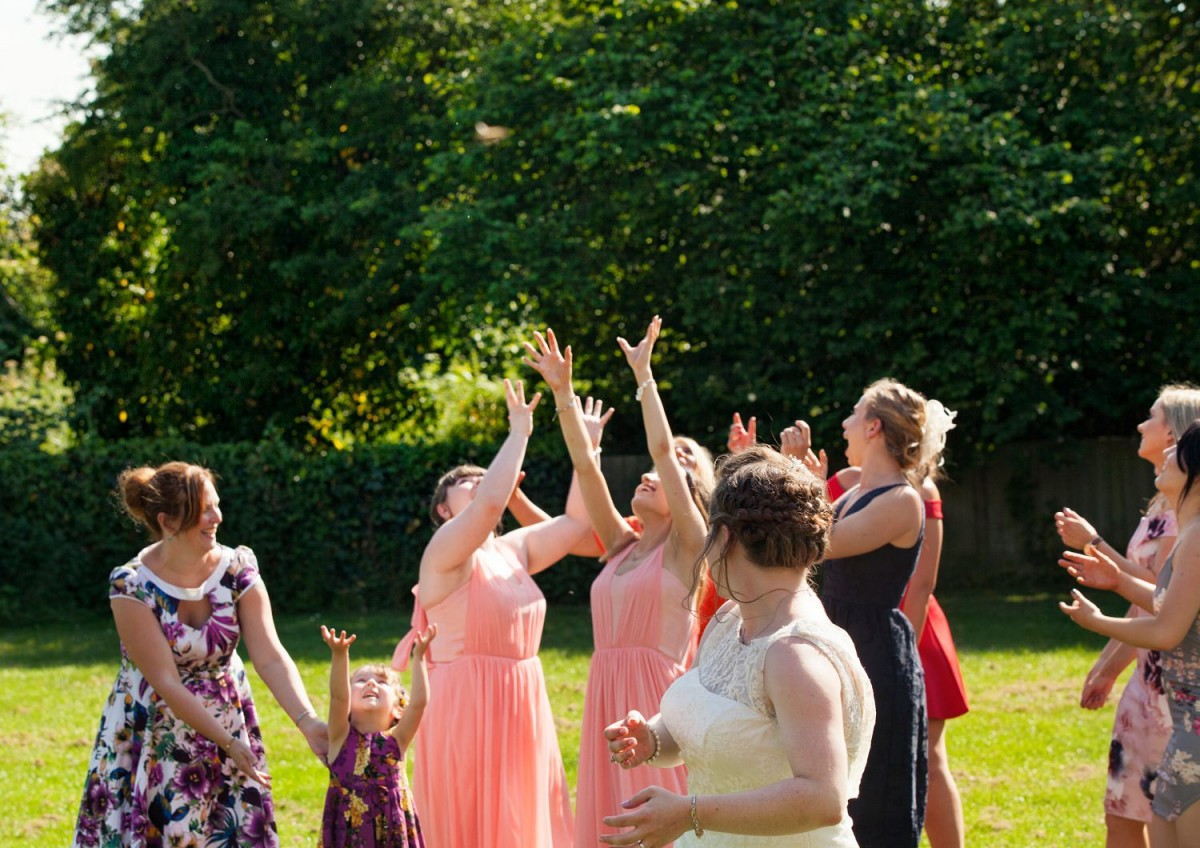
pixel 772 506
pixel 448 480
pixel 901 413
pixel 175 488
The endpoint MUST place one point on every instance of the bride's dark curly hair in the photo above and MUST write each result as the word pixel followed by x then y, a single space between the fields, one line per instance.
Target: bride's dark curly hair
pixel 772 506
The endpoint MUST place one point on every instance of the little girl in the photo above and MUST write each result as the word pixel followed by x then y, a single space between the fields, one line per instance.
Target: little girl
pixel 371 723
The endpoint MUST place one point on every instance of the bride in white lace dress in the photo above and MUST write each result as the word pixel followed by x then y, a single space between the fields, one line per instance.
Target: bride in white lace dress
pixel 774 720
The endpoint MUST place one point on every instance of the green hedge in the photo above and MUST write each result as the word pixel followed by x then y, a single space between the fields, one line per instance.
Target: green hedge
pixel 336 531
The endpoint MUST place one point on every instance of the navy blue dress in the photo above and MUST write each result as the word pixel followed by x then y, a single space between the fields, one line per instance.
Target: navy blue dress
pixel 862 596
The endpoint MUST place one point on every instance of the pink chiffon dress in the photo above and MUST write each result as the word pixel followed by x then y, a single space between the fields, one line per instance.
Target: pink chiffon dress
pixel 645 637
pixel 487 768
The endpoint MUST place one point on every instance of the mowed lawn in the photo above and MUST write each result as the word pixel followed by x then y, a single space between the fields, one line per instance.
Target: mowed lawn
pixel 1029 761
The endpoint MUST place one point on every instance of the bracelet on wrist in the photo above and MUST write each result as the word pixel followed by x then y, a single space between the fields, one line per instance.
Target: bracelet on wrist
pixel 696 828
pixel 641 389
pixel 657 744
pixel 309 713
pixel 1096 541
pixel 228 745
pixel 568 404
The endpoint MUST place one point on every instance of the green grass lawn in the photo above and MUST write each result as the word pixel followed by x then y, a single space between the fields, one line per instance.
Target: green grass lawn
pixel 1029 762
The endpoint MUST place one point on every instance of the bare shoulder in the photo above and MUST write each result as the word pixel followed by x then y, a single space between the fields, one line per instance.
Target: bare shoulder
pixel 797 667
pixel 929 490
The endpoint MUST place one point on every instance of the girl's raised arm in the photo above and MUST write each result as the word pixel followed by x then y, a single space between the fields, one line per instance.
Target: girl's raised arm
pixel 406 728
pixel 339 688
pixel 687 522
pixel 464 533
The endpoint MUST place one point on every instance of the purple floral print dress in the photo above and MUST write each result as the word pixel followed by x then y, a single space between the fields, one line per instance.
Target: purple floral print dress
pixel 154 781
pixel 368 803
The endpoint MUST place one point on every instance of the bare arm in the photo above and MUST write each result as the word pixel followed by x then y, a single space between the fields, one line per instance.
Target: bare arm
pixel 1114 659
pixel 1077 532
pixel 688 530
pixel 924 578
pixel 142 637
pixel 1176 614
pixel 555 366
pixel 418 698
pixel 444 562
pixel 274 665
pixel 806 693
pixel 1100 572
pixel 894 517
pixel 339 688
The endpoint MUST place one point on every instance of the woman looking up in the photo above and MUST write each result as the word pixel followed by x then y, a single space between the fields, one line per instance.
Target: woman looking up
pixel 488 769
pixel 1142 722
pixel 876 539
pixel 643 618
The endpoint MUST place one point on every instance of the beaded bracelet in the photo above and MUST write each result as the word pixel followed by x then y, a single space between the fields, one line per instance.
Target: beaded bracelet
pixel 696 828
pixel 570 403
pixel 641 389
pixel 657 744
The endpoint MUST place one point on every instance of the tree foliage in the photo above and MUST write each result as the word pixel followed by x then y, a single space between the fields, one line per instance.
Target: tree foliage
pixel 277 217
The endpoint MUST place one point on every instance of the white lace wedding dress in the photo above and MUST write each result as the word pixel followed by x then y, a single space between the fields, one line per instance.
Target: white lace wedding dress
pixel 718 715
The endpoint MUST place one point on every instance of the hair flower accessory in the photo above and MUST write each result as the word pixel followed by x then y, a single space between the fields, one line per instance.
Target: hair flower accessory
pixel 938 422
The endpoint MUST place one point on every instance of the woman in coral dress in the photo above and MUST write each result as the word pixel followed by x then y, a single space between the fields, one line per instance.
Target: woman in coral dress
pixel 487 768
pixel 643 601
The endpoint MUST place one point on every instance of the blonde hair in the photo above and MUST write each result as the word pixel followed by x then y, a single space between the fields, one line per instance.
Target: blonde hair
pixel 1181 407
pixel 901 412
pixel 390 678
pixel 175 489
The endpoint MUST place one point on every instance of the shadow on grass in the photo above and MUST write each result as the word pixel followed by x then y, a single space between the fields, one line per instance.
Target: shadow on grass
pixel 92 640
pixel 994 622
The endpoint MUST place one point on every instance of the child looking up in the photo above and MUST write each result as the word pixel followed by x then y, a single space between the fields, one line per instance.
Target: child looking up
pixel 372 721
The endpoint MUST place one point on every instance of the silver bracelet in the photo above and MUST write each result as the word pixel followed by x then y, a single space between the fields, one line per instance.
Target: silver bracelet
pixel 642 388
pixel 570 403
pixel 309 713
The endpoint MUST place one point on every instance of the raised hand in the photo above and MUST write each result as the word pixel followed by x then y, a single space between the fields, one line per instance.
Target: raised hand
pixel 337 642
pixel 520 413
pixel 1081 611
pixel 796 442
pixel 595 422
pixel 1095 572
pixel 547 360
pixel 639 357
pixel 1073 528
pixel 741 437
pixel 421 641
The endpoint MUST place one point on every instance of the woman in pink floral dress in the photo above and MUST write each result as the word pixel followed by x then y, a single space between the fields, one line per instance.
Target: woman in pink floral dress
pixel 1142 723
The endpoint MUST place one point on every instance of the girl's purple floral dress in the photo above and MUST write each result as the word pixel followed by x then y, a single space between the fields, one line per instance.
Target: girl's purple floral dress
pixel 368 803
pixel 152 780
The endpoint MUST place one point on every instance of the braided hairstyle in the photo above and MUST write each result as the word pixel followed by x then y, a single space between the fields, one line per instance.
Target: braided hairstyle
pixel 773 507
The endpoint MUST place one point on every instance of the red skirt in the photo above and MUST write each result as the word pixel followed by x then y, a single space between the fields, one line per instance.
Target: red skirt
pixel 945 693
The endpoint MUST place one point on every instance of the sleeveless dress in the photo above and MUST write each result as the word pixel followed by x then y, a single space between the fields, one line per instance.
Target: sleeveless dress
pixel 1142 723
pixel 152 780
pixel 945 692
pixel 731 741
pixel 487 768
pixel 1178 784
pixel 644 637
pixel 367 804
pixel 862 595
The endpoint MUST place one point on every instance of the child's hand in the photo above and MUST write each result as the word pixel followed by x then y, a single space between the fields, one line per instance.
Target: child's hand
pixel 421 642
pixel 336 642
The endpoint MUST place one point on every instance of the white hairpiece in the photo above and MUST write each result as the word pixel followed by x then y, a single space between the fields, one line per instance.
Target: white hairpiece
pixel 938 422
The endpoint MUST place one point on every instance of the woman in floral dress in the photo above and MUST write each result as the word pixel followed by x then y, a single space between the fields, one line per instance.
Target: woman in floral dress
pixel 1142 723
pixel 179 757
